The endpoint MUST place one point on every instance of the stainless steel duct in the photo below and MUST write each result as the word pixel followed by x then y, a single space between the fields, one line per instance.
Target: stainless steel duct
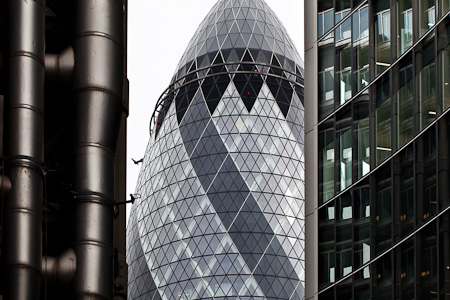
pixel 97 90
pixel 24 147
pixel 59 67
pixel 60 270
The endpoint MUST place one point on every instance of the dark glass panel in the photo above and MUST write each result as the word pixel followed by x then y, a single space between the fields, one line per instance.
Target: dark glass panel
pixel 444 63
pixel 404 204
pixel 404 20
pixel 382 278
pixel 426 81
pixel 426 175
pixel 405 121
pixel 426 253
pixel 382 34
pixel 344 73
pixel 326 80
pixel 344 235
pixel 383 126
pixel 326 162
pixel 361 135
pixel 326 245
pixel 383 209
pixel 405 270
pixel 427 15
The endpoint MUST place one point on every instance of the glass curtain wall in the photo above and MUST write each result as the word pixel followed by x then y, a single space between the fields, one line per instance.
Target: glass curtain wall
pixel 404 25
pixel 405 105
pixel 382 35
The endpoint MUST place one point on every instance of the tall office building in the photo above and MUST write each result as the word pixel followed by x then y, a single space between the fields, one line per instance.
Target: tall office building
pixel 221 207
pixel 377 153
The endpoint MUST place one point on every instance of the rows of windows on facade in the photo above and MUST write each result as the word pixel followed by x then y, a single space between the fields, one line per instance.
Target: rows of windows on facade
pixel 384 128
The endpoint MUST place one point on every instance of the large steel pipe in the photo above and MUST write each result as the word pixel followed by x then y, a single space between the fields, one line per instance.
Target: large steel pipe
pixel 98 92
pixel 24 147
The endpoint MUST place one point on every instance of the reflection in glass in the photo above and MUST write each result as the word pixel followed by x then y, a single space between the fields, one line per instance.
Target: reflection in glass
pixel 344 131
pixel 326 245
pixel 444 62
pixel 361 134
pixel 426 175
pixel 427 16
pixel 444 7
pixel 326 80
pixel 382 20
pixel 325 16
pixel 325 22
pixel 426 82
pixel 405 101
pixel 404 25
pixel 427 262
pixel 383 119
pixel 344 74
pixel 344 239
pixel 383 209
pixel 326 164
pixel 406 275
pixel 343 31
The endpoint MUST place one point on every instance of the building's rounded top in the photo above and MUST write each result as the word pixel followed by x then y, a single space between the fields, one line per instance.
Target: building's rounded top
pixel 231 27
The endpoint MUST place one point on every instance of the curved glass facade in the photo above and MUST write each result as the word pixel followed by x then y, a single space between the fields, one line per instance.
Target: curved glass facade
pixel 221 207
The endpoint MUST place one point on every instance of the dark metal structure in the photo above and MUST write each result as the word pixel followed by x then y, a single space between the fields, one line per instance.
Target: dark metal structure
pixel 64 104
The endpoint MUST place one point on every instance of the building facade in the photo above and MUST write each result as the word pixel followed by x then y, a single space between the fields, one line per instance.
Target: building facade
pixel 377 152
pixel 221 207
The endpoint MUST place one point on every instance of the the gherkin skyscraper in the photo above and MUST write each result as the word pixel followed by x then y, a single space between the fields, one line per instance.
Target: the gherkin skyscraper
pixel 221 207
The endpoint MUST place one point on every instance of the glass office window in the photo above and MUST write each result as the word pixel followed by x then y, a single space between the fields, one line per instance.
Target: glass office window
pixel 405 100
pixel 444 250
pixel 404 204
pixel 383 209
pixel 361 231
pixel 383 278
pixel 325 21
pixel 361 23
pixel 327 245
pixel 444 62
pixel 343 31
pixel 427 15
pixel 344 236
pixel 344 73
pixel 426 252
pixel 325 16
pixel 426 81
pixel 405 275
pixel 444 7
pixel 381 92
pixel 404 24
pixel 344 132
pixel 361 48
pixel 426 176
pixel 382 27
pixel 326 80
pixel 361 135
pixel 326 164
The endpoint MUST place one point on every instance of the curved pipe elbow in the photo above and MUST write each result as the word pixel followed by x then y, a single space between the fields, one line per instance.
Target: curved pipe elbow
pixel 59 67
pixel 60 270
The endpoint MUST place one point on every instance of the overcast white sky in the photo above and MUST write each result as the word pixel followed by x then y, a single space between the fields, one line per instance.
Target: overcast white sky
pixel 158 33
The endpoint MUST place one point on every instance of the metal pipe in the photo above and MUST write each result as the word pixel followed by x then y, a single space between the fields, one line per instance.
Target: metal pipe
pixel 60 270
pixel 24 147
pixel 59 67
pixel 98 92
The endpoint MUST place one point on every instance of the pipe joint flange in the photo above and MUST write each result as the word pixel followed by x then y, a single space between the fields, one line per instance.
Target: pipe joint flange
pixel 94 197
pixel 25 161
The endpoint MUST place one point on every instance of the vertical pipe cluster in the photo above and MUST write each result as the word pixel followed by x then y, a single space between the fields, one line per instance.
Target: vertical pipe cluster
pixel 24 147
pixel 97 108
